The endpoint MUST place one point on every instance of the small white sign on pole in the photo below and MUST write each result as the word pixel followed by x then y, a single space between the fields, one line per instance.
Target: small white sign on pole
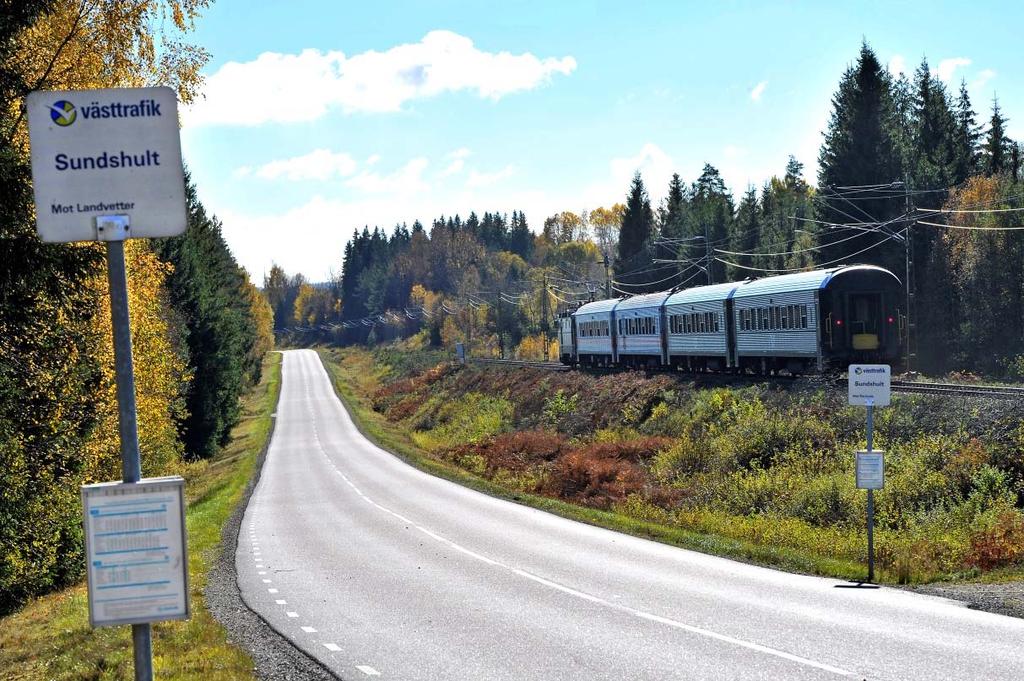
pixel 98 153
pixel 136 551
pixel 870 469
pixel 869 384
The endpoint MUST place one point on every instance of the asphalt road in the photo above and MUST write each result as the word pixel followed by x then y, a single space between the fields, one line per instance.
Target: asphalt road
pixel 377 569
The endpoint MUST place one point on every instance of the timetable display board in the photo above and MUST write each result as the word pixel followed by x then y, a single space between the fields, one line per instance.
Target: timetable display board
pixel 136 551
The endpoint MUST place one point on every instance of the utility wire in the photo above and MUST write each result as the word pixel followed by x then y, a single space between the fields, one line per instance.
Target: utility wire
pixel 976 229
pixel 819 265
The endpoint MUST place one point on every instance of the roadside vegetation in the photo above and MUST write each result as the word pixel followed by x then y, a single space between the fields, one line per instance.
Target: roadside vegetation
pixel 50 639
pixel 756 472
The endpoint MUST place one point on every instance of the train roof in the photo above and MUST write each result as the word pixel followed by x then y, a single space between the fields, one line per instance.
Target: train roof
pixel 705 294
pixel 642 301
pixel 598 306
pixel 798 281
pixel 801 281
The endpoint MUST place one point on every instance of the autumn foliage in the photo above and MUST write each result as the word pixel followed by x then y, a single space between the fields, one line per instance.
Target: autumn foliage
pixel 199 328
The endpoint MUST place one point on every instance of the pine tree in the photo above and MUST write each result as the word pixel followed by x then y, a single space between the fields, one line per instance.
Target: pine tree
pixel 671 215
pixel 520 237
pixel 965 138
pixel 745 234
pixel 934 125
pixel 861 149
pixel 708 223
pixel 208 288
pixel 634 236
pixel 997 145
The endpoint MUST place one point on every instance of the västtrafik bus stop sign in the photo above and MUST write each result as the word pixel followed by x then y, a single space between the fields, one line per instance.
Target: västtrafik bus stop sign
pixel 869 385
pixel 100 153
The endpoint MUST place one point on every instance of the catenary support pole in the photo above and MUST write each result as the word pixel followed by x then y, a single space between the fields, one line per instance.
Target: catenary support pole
pixel 128 428
pixel 871 502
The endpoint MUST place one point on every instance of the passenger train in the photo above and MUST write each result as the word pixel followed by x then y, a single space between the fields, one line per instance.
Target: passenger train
pixel 810 321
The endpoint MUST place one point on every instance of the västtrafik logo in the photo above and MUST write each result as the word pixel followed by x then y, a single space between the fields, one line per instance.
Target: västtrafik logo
pixel 63 113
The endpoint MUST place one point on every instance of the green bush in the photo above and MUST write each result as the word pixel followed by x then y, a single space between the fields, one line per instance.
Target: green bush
pixel 470 419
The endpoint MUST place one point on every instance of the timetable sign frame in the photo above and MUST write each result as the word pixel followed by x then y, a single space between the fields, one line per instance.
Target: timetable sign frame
pixel 870 469
pixel 136 551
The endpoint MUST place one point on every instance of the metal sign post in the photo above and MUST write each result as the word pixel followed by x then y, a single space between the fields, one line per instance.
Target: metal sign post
pixel 100 157
pixel 869 386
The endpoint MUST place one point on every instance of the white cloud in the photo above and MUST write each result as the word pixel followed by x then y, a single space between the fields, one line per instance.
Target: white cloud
pixel 290 88
pixel 457 160
pixel 320 164
pixel 983 77
pixel 947 67
pixel 758 90
pixel 897 65
pixel 478 179
pixel 406 180
pixel 373 158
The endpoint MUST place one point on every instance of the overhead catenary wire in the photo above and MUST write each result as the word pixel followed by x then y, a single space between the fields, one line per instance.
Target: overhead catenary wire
pixel 818 265
pixel 972 228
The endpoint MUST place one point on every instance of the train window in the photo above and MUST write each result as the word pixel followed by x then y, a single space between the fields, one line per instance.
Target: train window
pixel 784 314
pixel 803 316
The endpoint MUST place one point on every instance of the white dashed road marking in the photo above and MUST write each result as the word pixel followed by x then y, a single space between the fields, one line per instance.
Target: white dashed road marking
pixel 369 671
pixel 292 614
pixel 281 601
pixel 309 630
pixel 333 647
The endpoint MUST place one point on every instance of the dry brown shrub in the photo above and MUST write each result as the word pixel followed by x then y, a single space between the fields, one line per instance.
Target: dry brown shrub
pixel 406 389
pixel 516 451
pixel 998 544
pixel 641 449
pixel 591 479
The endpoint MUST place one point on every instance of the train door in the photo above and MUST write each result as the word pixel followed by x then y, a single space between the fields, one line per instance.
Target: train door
pixel 731 360
pixel 864 321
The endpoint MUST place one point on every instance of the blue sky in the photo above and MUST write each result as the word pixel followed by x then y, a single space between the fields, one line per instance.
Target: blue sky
pixel 320 117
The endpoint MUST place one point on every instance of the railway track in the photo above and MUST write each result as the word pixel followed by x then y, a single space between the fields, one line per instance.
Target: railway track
pixel 547 366
pixel 958 389
pixel 919 387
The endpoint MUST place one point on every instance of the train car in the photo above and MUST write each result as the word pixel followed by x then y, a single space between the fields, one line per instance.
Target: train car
pixel 595 340
pixel 808 321
pixel 566 338
pixel 817 320
pixel 700 333
pixel 639 329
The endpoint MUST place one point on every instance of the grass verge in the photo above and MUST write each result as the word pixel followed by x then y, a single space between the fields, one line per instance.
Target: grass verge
pixel 51 639
pixel 356 376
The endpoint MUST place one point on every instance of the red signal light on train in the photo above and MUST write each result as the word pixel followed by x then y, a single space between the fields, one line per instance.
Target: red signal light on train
pixel 839 322
pixel 891 320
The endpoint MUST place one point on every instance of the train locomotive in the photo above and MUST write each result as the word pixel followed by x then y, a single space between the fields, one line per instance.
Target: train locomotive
pixel 813 321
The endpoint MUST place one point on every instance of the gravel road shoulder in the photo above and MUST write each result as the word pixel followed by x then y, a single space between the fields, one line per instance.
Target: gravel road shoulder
pixel 1003 599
